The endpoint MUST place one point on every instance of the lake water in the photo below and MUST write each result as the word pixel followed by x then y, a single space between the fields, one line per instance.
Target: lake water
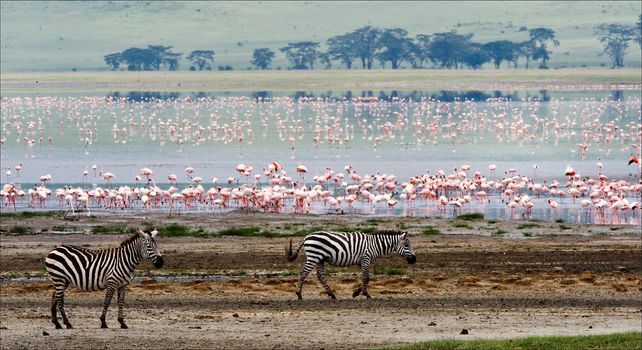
pixel 538 134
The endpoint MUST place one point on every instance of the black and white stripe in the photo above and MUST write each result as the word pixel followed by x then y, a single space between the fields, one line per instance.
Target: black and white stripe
pixel 345 249
pixel 110 269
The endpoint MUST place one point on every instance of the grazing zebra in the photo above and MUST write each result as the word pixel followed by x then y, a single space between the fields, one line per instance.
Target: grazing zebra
pixel 345 249
pixel 110 269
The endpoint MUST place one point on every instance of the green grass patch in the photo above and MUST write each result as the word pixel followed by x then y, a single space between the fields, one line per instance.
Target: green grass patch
pixel 527 225
pixel 19 230
pixel 629 340
pixel 252 231
pixel 62 229
pixel 29 214
pixel 119 228
pixel 461 224
pixel 492 221
pixel 430 231
pixel 364 229
pixel 564 227
pixel 527 234
pixel 471 217
pixel 238 272
pixel 177 230
pixel 307 231
pixel 559 221
pixel 499 232
pixel 389 271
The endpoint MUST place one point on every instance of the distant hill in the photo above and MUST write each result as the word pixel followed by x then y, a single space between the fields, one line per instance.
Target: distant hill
pixel 59 36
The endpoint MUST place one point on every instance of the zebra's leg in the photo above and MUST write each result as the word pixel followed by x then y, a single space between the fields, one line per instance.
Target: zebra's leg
pixel 108 295
pixel 365 269
pixel 54 308
pixel 305 270
pixel 320 269
pixel 121 305
pixel 61 307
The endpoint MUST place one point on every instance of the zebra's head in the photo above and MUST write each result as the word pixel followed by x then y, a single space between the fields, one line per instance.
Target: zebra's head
pixel 150 248
pixel 404 249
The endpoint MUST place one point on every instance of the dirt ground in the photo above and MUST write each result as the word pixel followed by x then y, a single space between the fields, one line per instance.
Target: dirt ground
pixel 238 292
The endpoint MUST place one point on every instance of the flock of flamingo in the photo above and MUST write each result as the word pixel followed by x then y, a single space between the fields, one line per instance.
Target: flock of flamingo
pixel 586 127
pixel 585 124
pixel 607 201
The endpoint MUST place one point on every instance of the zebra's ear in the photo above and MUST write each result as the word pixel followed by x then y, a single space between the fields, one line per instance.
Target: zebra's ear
pixel 403 235
pixel 154 233
pixel 145 234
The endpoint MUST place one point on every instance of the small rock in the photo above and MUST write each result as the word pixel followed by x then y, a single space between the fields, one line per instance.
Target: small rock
pixel 464 331
pixel 45 333
pixel 622 269
pixel 590 327
pixel 558 269
pixel 195 327
pixel 267 335
pixel 235 315
pixel 432 324
pixel 3 327
pixel 364 322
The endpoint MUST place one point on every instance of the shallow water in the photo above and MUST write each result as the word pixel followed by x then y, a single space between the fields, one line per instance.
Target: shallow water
pixel 66 135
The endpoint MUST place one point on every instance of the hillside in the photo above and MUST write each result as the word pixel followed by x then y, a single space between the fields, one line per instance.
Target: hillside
pixel 64 35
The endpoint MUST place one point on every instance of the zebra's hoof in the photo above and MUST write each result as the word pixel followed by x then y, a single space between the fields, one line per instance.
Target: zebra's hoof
pixel 58 326
pixel 332 296
pixel 69 326
pixel 123 326
pixel 356 293
pixel 104 325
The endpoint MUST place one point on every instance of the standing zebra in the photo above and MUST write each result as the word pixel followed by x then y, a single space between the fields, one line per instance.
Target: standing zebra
pixel 110 269
pixel 345 249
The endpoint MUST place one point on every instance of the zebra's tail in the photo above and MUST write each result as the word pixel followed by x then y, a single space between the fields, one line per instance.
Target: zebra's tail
pixel 288 250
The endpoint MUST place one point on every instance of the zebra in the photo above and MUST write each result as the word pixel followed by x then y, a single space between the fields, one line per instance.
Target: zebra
pixel 110 269
pixel 345 249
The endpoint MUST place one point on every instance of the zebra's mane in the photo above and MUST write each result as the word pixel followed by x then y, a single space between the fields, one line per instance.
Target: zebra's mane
pixel 130 239
pixel 390 232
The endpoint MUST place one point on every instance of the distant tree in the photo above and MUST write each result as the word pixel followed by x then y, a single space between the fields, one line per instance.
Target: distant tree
pixel 539 37
pixel 527 50
pixel 203 59
pixel 639 31
pixel 262 58
pixel 343 48
pixel 114 60
pixel 302 54
pixel 367 41
pixel 501 50
pixel 475 57
pixel 421 54
pixel 166 56
pixel 394 45
pixel 138 59
pixel 447 49
pixel 616 38
pixel 325 59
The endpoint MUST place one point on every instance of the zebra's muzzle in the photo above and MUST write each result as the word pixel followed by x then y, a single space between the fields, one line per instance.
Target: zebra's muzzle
pixel 159 262
pixel 411 259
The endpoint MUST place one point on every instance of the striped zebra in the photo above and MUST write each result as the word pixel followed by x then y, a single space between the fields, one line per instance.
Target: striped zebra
pixel 110 269
pixel 345 249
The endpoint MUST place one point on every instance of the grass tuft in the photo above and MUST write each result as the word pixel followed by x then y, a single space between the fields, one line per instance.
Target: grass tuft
pixel 498 232
pixel 19 230
pixel 471 217
pixel 30 214
pixel 389 271
pixel 629 340
pixel 430 231
pixel 119 228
